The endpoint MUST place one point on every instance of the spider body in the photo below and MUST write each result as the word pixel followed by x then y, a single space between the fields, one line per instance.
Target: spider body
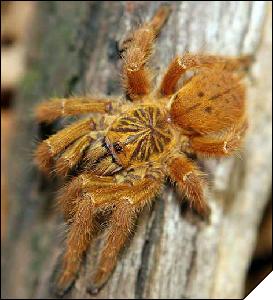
pixel 143 133
pixel 139 134
pixel 121 160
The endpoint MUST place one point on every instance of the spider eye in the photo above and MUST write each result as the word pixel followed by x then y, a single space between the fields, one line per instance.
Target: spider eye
pixel 118 147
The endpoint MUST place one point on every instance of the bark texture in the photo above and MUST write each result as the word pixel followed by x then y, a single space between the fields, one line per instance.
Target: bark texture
pixel 172 255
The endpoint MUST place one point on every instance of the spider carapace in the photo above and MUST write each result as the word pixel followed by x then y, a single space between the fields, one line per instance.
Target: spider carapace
pixel 139 135
pixel 118 159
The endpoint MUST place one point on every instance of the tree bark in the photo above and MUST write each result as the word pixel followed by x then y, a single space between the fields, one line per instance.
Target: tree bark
pixel 172 254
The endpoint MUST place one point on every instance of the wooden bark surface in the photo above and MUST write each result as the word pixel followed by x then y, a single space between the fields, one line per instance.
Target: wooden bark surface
pixel 172 255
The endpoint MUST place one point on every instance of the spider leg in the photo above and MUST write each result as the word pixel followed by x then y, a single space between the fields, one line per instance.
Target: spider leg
pixel 87 195
pixel 61 107
pixel 59 141
pixel 128 203
pixel 79 209
pixel 121 226
pixel 181 64
pixel 72 155
pixel 81 231
pixel 218 145
pixel 190 181
pixel 70 193
pixel 136 76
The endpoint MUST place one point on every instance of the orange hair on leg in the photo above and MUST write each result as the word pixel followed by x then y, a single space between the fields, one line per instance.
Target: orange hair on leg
pixel 190 181
pixel 61 107
pixel 56 143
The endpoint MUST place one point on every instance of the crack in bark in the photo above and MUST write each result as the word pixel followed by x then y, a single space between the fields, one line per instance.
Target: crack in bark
pixel 152 237
pixel 191 268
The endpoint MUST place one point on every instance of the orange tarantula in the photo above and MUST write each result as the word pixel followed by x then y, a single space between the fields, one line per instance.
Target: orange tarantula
pixel 121 160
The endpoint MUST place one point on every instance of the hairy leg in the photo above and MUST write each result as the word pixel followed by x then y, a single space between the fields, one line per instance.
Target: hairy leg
pixel 82 199
pixel 81 231
pixel 59 141
pixel 190 181
pixel 71 192
pixel 106 190
pixel 79 209
pixel 129 202
pixel 181 64
pixel 72 155
pixel 120 228
pixel 218 145
pixel 137 51
pixel 60 107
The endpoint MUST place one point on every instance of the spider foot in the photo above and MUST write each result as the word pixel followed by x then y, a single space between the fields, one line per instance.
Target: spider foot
pixel 204 214
pixel 194 215
pixel 61 282
pixel 93 289
pixel 99 282
pixel 62 286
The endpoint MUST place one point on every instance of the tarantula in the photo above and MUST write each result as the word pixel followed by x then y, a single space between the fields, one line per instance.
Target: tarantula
pixel 121 164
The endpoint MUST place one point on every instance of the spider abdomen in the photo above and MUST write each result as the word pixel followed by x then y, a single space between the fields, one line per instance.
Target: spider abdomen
pixel 210 102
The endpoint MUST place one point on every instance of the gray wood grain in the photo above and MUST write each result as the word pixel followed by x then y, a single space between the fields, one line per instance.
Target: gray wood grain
pixel 73 50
